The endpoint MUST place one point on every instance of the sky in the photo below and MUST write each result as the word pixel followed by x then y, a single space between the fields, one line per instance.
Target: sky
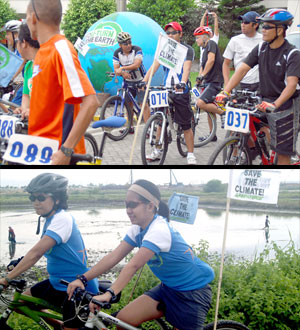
pixel 21 177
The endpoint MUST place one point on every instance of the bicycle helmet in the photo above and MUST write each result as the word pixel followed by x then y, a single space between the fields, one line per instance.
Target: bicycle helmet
pixel 123 37
pixel 201 30
pixel 277 17
pixel 11 26
pixel 48 183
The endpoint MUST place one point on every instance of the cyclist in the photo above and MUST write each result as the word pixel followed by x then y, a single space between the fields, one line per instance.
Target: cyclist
pixel 128 63
pixel 12 30
pixel 184 277
pixel 279 72
pixel 210 73
pixel 181 100
pixel 61 243
pixel 59 84
pixel 28 49
pixel 239 47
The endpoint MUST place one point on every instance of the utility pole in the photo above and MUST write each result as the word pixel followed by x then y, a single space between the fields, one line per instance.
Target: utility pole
pixel 121 5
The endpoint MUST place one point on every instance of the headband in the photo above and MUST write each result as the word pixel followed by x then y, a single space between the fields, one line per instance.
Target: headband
pixel 145 193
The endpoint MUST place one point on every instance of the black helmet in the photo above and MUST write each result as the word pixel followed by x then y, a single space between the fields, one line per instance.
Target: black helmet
pixel 48 183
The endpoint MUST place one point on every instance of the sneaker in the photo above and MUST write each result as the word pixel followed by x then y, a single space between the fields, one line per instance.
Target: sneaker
pixel 203 138
pixel 191 159
pixel 131 131
pixel 222 120
pixel 155 155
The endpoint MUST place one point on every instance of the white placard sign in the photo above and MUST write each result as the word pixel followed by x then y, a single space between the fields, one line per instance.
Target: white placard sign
pixel 7 126
pixel 30 150
pixel 237 120
pixel 158 99
pixel 81 46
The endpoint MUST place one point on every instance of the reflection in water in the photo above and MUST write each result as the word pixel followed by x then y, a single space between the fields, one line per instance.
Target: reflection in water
pixel 267 234
pixel 12 249
pixel 213 213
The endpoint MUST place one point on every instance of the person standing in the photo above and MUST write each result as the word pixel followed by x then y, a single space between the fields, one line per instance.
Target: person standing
pixel 239 47
pixel 181 99
pixel 11 235
pixel 279 72
pixel 63 100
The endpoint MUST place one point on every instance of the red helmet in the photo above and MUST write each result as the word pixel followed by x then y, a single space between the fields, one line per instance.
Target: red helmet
pixel 202 30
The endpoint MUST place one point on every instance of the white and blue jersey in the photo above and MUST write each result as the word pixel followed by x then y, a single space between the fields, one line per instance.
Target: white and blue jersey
pixel 67 258
pixel 174 261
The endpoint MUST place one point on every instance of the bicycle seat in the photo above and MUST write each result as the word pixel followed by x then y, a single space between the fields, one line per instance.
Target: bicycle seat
pixel 113 121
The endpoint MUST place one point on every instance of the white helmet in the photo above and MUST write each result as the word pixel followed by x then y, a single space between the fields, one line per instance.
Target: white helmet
pixel 123 37
pixel 12 26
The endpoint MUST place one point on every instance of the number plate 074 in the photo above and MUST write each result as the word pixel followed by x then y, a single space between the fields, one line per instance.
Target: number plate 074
pixel 237 120
pixel 158 99
pixel 30 150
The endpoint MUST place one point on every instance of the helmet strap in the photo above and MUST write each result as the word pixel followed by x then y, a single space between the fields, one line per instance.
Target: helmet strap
pixel 275 36
pixel 54 208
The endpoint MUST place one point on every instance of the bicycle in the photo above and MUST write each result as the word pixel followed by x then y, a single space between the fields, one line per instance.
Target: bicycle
pixel 34 308
pixel 234 150
pixel 202 134
pixel 158 130
pixel 117 105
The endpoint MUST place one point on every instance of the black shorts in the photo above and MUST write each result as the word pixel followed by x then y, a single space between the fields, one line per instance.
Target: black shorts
pixel 284 127
pixel 210 92
pixel 183 111
pixel 186 310
pixel 46 291
pixel 137 94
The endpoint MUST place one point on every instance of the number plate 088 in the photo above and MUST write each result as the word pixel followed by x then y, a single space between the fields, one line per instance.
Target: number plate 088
pixel 30 150
pixel 237 120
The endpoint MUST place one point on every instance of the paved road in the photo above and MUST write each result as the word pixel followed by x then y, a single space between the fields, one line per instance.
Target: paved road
pixel 118 152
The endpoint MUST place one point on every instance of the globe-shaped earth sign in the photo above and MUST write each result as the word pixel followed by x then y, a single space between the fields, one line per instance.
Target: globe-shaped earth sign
pixel 101 41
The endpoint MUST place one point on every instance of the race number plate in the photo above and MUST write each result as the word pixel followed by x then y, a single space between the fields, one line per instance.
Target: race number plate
pixel 196 92
pixel 30 150
pixel 158 99
pixel 7 126
pixel 237 120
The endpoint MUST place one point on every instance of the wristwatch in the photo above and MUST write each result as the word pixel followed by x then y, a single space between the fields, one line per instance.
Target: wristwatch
pixel 83 279
pixel 66 151
pixel 112 292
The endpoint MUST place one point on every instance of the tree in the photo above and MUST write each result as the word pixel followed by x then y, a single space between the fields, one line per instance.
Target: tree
pixel 6 13
pixel 230 10
pixel 81 14
pixel 213 186
pixel 162 11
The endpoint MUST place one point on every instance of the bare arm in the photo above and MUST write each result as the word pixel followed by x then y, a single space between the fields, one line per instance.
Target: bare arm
pixel 187 66
pixel 237 77
pixel 19 70
pixel 88 108
pixel 203 18
pixel 31 257
pixel 139 260
pixel 226 70
pixel 120 70
pixel 216 24
pixel 289 90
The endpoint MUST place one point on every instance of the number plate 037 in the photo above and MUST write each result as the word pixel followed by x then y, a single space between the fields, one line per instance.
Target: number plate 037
pixel 158 99
pixel 30 150
pixel 237 120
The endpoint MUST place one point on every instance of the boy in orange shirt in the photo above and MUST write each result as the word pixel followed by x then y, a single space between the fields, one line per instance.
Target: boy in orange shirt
pixel 59 84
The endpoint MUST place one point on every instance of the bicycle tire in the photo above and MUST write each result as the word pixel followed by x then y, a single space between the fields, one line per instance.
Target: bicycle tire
pixel 202 130
pixel 217 157
pixel 153 123
pixel 108 110
pixel 226 325
pixel 180 141
pixel 91 146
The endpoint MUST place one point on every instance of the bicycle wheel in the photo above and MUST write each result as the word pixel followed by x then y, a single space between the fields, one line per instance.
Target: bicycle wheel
pixel 153 129
pixel 203 134
pixel 226 325
pixel 112 107
pixel 180 141
pixel 91 146
pixel 236 153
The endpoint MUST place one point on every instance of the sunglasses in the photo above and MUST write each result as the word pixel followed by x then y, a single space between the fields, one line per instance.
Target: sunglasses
pixel 40 198
pixel 132 205
pixel 33 7
pixel 172 32
pixel 126 43
pixel 268 27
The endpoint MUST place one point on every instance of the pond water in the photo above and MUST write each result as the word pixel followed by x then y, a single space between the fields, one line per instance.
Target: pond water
pixel 102 230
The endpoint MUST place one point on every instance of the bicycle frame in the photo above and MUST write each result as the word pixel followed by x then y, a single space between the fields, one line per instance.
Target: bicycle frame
pixel 125 90
pixel 25 304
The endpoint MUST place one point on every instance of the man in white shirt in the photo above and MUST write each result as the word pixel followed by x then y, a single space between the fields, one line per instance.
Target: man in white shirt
pixel 239 47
